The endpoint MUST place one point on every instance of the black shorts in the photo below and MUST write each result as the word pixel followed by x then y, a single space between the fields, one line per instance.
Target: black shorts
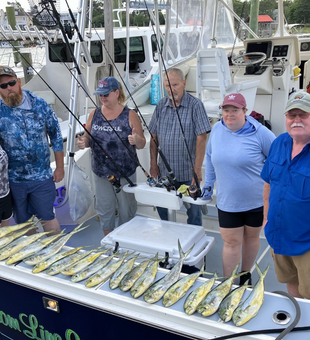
pixel 251 218
pixel 6 207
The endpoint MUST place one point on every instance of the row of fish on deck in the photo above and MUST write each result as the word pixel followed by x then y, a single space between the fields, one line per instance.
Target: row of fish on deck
pixel 44 253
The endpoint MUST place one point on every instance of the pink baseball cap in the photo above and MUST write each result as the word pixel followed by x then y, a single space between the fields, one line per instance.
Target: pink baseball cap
pixel 234 99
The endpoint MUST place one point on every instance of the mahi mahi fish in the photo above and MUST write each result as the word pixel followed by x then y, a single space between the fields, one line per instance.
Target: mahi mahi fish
pixel 32 249
pixel 211 303
pixel 65 262
pixel 19 244
pixel 121 272
pixel 130 278
pixel 53 248
pixel 39 267
pixel 231 302
pixel 106 272
pixel 92 269
pixel 250 307
pixel 6 230
pixel 146 279
pixel 180 288
pixel 158 289
pixel 5 240
pixel 197 295
pixel 89 258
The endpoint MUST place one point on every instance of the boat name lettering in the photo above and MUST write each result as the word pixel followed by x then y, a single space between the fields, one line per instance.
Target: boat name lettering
pixel 32 329
pixel 106 128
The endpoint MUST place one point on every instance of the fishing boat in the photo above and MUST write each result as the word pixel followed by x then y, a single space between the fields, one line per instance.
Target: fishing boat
pixel 56 308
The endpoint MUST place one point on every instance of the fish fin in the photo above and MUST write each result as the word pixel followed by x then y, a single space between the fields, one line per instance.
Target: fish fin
pixel 260 274
pixel 182 254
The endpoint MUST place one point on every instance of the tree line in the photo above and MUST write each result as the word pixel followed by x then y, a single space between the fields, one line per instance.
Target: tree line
pixel 295 11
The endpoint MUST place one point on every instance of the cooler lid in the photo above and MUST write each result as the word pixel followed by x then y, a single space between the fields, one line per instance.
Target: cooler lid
pixel 149 236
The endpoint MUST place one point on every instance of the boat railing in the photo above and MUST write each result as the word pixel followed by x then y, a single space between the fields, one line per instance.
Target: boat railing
pixel 7 34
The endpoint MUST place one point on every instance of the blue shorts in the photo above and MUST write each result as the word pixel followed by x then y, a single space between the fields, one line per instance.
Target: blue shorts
pixel 6 211
pixel 33 198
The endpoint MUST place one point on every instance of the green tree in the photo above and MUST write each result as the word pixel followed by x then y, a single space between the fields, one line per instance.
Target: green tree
pixel 299 12
pixel 98 13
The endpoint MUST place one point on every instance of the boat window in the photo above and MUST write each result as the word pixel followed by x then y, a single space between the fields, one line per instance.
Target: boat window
pixel 136 51
pixel 173 46
pixel 154 46
pixel 59 52
pixel 189 42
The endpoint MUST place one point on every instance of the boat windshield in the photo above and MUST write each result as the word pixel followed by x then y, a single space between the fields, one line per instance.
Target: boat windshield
pixel 224 34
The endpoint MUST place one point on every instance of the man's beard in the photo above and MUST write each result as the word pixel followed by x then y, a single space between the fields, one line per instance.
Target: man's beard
pixel 13 99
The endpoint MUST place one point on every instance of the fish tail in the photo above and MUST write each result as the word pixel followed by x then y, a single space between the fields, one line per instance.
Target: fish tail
pixel 182 254
pixel 260 274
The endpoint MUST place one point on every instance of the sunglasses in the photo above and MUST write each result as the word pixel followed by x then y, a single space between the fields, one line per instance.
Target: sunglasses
pixel 107 95
pixel 11 83
pixel 292 116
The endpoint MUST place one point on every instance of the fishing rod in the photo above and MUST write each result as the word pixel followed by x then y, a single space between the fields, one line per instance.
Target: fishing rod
pixel 171 175
pixel 133 155
pixel 196 193
pixel 131 184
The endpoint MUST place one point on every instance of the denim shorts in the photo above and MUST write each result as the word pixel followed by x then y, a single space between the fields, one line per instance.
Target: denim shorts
pixel 6 207
pixel 33 198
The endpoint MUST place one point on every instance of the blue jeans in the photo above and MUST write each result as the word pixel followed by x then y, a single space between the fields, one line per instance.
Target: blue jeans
pixel 194 212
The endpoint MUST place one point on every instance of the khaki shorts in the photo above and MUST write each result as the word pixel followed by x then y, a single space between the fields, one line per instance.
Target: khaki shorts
pixel 291 269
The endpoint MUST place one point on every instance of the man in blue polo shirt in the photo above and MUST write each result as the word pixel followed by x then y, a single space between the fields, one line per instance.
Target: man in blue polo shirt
pixel 287 198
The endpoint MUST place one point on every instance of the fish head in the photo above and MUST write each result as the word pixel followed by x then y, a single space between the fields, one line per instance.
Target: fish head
pixel 207 310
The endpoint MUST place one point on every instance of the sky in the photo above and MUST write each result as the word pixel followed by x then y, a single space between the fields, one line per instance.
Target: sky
pixel 63 7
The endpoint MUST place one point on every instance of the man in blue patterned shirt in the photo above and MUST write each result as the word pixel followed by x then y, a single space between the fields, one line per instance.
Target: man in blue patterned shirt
pixel 27 126
pixel 166 130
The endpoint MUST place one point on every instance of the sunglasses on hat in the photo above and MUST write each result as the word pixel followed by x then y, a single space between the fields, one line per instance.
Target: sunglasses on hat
pixel 11 83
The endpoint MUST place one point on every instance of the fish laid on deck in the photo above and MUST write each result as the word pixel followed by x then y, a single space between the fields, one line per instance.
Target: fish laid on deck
pixel 19 244
pixel 121 272
pixel 146 279
pixel 87 260
pixel 10 237
pixel 6 230
pixel 130 278
pixel 180 288
pixel 211 303
pixel 106 272
pixel 52 249
pixel 158 289
pixel 92 269
pixel 231 302
pixel 196 296
pixel 250 307
pixel 32 249
pixel 39 267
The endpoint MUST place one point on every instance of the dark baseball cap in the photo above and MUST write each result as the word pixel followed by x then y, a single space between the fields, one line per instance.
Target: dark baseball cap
pixel 106 85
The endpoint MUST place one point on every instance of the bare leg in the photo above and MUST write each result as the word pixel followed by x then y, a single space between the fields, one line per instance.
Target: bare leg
pixel 232 248
pixel 51 225
pixel 106 232
pixel 292 289
pixel 250 247
pixel 5 223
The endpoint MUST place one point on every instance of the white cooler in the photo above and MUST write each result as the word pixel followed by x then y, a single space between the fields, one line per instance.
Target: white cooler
pixel 148 236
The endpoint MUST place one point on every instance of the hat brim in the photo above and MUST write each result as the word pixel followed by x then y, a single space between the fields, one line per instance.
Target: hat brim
pixel 296 105
pixel 102 92
pixel 239 106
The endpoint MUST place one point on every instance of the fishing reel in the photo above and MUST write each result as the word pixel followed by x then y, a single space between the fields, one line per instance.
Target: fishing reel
pixel 194 192
pixel 151 182
pixel 164 182
pixel 115 182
